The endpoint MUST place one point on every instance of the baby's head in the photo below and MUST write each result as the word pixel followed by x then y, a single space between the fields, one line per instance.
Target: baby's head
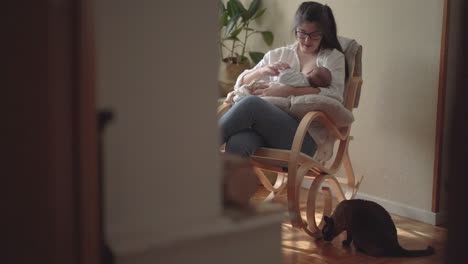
pixel 319 77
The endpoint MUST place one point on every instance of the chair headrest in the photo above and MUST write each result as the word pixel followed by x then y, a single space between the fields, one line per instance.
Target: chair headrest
pixel 351 51
pixel 344 42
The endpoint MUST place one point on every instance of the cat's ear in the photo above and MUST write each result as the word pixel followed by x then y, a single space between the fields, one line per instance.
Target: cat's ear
pixel 327 219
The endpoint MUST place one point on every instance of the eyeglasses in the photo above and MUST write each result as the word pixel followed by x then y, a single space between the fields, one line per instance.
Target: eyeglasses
pixel 312 35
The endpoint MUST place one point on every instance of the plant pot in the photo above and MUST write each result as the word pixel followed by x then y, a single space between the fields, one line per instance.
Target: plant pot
pixel 228 73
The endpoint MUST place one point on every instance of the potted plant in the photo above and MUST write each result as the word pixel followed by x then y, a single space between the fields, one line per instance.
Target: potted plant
pixel 235 32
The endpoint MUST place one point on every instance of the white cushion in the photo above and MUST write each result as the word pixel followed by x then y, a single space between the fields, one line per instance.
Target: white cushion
pixel 301 105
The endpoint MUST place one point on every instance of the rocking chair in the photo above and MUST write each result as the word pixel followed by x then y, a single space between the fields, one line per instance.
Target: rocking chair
pixel 300 166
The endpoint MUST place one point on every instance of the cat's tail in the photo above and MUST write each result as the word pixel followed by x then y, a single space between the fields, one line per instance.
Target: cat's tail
pixel 416 253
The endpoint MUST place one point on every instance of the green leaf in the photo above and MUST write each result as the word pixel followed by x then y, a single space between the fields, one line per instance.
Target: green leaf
pixel 241 9
pixel 267 37
pixel 256 56
pixel 235 8
pixel 259 14
pixel 231 8
pixel 223 20
pixel 231 24
pixel 253 8
pixel 235 32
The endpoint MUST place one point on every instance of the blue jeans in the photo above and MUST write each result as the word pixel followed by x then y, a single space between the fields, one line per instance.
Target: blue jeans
pixel 253 122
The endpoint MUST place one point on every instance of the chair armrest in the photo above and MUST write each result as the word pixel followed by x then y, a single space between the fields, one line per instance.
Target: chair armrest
pixel 342 135
pixel 304 125
pixel 338 133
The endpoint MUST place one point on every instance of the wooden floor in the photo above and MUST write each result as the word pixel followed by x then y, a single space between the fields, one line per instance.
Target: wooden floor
pixel 298 247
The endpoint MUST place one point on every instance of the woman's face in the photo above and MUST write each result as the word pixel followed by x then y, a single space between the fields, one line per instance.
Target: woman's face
pixel 309 37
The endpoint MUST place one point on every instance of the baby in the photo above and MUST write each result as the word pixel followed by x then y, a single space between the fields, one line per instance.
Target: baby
pixel 318 77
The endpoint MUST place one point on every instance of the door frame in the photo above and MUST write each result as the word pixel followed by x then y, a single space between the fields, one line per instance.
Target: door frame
pixel 440 119
pixel 50 138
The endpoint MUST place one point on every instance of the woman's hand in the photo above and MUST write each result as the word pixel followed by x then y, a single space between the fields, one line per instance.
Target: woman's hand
pixel 229 98
pixel 275 89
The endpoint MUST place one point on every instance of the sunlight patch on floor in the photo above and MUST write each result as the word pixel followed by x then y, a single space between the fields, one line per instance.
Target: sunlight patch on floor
pixel 316 256
pixel 402 232
pixel 297 244
pixel 422 234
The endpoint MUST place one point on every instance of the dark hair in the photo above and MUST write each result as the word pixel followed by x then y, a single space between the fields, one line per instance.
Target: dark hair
pixel 322 15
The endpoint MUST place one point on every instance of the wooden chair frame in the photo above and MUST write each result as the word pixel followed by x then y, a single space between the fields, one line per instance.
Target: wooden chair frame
pixel 300 166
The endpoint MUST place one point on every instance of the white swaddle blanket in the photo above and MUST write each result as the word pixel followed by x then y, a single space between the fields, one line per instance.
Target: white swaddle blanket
pixel 293 78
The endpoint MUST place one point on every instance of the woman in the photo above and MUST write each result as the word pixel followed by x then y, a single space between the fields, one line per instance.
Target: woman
pixel 253 122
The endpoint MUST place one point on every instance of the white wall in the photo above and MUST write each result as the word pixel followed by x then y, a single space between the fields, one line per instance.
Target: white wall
pixel 159 76
pixel 395 123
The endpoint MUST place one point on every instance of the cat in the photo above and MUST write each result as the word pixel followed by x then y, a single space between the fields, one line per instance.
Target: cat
pixel 370 227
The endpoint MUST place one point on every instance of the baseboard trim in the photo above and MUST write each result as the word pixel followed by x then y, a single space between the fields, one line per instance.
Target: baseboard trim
pixel 397 208
pixel 400 209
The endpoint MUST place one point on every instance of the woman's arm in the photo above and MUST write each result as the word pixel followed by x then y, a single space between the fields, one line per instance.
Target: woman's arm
pixel 281 90
pixel 297 91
